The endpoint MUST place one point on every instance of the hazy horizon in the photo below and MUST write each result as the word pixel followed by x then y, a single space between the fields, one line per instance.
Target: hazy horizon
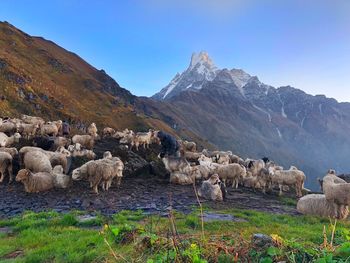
pixel 143 44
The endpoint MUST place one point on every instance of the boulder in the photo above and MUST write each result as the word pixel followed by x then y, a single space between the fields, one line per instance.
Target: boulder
pixel 262 241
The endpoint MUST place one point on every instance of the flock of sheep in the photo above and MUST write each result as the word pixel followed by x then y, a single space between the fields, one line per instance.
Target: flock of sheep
pixel 43 170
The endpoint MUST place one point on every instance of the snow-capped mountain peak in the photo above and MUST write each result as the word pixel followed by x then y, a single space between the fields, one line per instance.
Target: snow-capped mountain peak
pixel 200 71
pixel 201 58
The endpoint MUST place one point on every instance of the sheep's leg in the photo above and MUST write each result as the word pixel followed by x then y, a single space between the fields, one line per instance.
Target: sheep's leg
pixel 95 189
pixel 281 187
pixel 298 190
pixel 2 176
pixel 109 183
pixel 119 180
pixel 9 170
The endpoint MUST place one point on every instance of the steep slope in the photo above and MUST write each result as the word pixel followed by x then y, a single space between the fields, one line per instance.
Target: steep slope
pixel 235 111
pixel 40 78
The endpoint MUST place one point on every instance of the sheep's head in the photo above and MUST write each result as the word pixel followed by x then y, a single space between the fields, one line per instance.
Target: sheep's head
pixel 331 171
pixel 64 151
pixel 71 148
pixel 22 175
pixel 203 158
pixel 214 179
pixel 107 154
pixel 120 169
pixel 91 155
pixel 271 171
pixel 58 169
pixel 76 174
pixel 17 136
pixel 15 151
pixel 77 146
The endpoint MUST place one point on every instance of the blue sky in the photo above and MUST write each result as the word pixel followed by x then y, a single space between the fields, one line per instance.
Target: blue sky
pixel 143 43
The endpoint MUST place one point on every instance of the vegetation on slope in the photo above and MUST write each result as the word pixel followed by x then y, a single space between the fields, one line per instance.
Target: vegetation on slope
pixel 37 77
pixel 136 237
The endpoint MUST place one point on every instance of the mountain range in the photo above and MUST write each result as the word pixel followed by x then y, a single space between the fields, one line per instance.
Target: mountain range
pixel 236 111
pixel 226 109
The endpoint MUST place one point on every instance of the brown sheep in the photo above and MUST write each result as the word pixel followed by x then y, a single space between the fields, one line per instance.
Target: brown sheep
pixel 107 131
pixel 12 151
pixel 5 164
pixel 86 141
pixel 35 182
pixel 37 161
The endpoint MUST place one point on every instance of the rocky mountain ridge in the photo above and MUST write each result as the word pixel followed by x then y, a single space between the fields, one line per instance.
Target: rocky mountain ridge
pixel 254 119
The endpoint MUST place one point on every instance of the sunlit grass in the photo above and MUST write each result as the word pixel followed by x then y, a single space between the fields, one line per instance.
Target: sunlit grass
pixel 54 237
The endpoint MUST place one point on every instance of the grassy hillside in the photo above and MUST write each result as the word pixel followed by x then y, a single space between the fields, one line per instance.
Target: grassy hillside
pixel 135 237
pixel 37 77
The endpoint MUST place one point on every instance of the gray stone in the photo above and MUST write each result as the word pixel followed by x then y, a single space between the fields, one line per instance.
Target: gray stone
pixel 85 218
pixel 6 230
pixel 262 241
pixel 209 217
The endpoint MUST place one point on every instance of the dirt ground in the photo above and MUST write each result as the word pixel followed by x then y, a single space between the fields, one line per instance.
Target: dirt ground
pixel 151 194
pixel 145 186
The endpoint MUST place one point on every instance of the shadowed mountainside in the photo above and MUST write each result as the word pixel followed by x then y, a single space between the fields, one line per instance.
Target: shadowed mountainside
pixel 254 119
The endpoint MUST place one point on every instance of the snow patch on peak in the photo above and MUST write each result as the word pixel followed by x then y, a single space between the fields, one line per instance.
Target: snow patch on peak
pixel 172 84
pixel 240 77
pixel 200 58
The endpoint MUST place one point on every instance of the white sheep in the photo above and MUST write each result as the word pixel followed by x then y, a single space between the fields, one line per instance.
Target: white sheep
pixel 203 160
pixel 28 130
pixel 12 151
pixel 180 178
pixel 92 130
pixel 294 178
pixel 189 146
pixel 61 141
pixel 59 157
pixel 192 156
pixel 318 205
pixel 77 151
pixel 86 141
pixel 175 164
pixel 8 126
pixel 100 172
pixel 336 190
pixel 233 172
pixel 50 128
pixel 37 161
pixel 35 182
pixel 6 141
pixel 5 165
pixel 33 120
pixel 254 166
pixel 211 189
pixel 108 131
pixel 223 159
pixel 61 180
pixel 200 172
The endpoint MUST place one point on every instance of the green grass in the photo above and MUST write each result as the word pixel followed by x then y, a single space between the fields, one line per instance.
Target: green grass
pixel 135 237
